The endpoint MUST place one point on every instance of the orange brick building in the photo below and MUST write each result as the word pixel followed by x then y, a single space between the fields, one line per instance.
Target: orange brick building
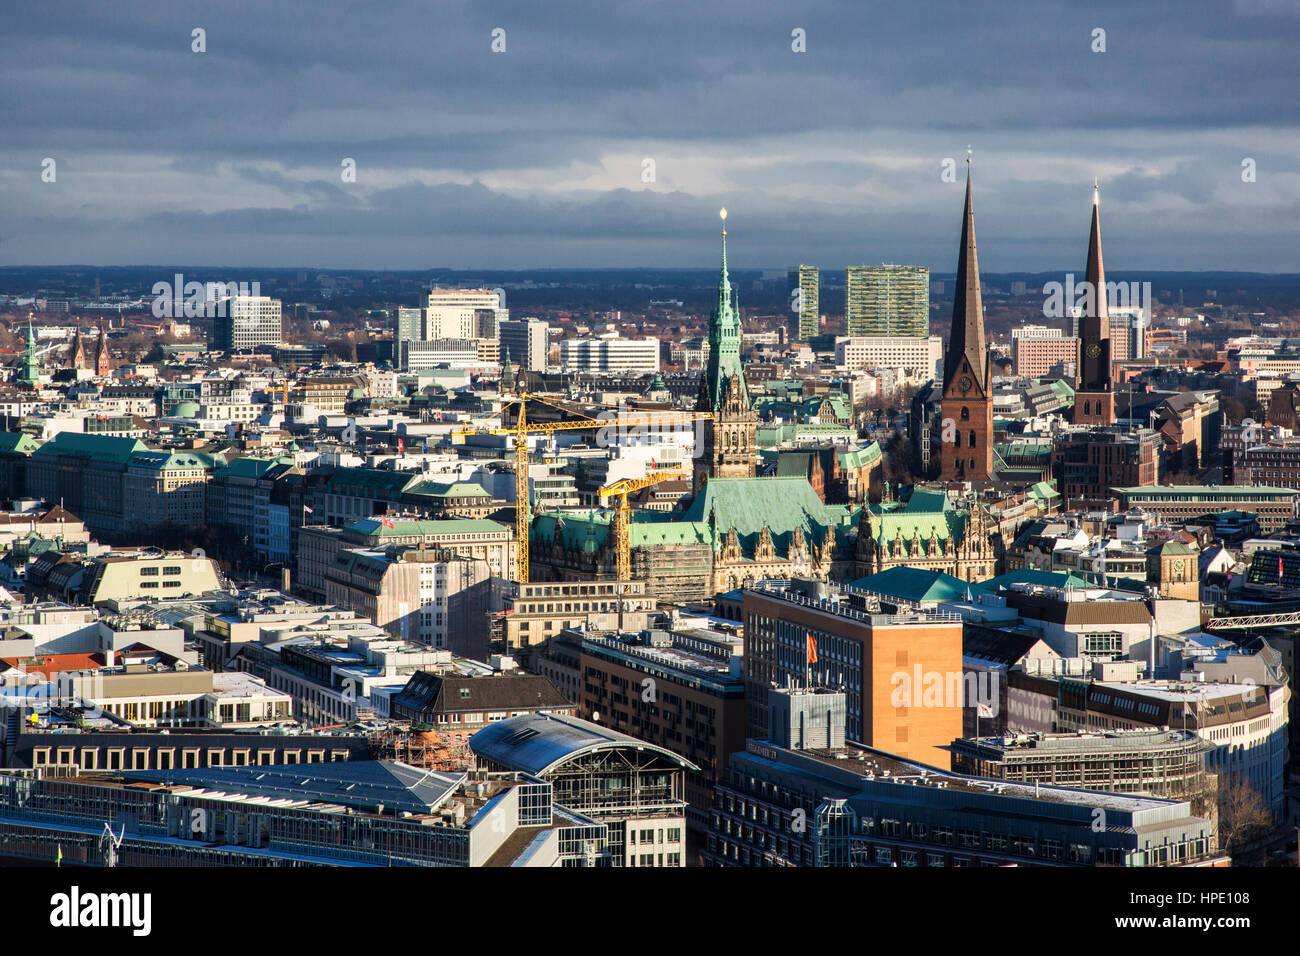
pixel 900 672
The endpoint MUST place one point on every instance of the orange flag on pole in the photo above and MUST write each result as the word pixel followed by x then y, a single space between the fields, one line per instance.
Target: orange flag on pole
pixel 812 650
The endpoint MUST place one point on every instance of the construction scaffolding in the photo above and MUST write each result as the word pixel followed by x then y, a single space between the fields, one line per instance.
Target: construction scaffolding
pixel 417 746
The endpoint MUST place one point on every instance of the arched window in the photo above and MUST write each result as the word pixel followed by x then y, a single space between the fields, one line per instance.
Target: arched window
pixel 972 464
pixel 1087 408
pixel 972 438
pixel 965 414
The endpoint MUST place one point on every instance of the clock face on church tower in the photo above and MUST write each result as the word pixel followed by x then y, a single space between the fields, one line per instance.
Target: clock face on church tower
pixel 1094 350
pixel 964 384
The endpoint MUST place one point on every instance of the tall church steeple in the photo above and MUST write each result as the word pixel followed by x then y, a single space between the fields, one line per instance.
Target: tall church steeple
pixel 30 374
pixel 966 340
pixel 1094 400
pixel 729 436
pixel 967 428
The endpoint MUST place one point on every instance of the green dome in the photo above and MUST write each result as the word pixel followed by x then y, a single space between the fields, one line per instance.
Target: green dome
pixel 186 410
pixel 356 394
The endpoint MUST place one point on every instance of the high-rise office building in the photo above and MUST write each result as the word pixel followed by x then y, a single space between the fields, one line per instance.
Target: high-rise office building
pixel 525 339
pixel 245 322
pixel 887 300
pixel 805 301
pixel 408 325
pixel 453 313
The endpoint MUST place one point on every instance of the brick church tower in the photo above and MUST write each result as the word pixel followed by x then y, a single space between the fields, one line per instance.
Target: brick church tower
pixel 1094 396
pixel 966 431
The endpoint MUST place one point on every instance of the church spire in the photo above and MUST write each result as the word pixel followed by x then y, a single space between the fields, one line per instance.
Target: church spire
pixel 729 432
pixel 1096 270
pixel 1094 396
pixel 724 280
pixel 967 443
pixel 966 340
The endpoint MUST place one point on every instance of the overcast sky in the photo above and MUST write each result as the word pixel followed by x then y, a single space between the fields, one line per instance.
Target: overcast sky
pixel 534 157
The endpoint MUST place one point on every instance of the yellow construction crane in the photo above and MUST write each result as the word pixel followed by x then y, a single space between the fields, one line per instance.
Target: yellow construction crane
pixel 522 429
pixel 623 515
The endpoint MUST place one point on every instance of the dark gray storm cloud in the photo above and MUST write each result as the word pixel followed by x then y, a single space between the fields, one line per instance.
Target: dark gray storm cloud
pixel 537 156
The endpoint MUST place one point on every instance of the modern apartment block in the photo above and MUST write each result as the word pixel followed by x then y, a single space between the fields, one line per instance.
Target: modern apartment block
pixel 887 300
pixel 245 322
pixel 805 301
pixel 901 673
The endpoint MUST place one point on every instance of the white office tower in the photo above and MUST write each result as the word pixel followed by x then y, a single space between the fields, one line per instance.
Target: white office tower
pixel 453 313
pixel 526 341
pixel 245 322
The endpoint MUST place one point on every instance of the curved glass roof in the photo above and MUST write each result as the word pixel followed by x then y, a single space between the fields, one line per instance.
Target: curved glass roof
pixel 537 743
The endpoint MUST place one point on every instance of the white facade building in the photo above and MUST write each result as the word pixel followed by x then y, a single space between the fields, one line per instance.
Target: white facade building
pixel 921 357
pixel 610 354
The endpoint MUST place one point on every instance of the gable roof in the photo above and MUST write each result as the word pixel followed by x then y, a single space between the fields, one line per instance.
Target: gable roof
pixel 427 693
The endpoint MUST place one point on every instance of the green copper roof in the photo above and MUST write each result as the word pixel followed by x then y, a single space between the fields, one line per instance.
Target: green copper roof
pixel 1043 490
pixel 589 530
pixel 249 467
pixel 1051 579
pixel 372 479
pixel 444 489
pixel 99 447
pixel 866 455
pixel 19 443
pixel 919 584
pixel 927 514
pixel 1062 389
pixel 171 461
